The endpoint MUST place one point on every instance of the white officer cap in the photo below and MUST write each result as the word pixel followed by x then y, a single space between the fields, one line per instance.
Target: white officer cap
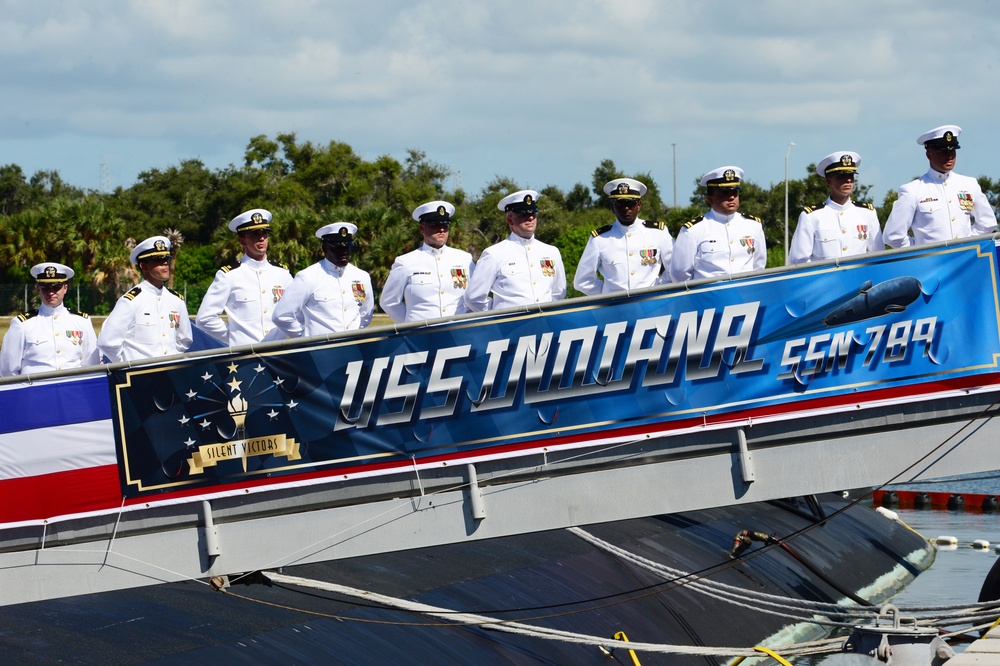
pixel 843 161
pixel 941 138
pixel 625 188
pixel 51 273
pixel 522 201
pixel 434 211
pixel 726 176
pixel 258 218
pixel 338 231
pixel 156 246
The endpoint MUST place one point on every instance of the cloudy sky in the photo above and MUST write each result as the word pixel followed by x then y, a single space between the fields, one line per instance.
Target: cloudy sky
pixel 539 91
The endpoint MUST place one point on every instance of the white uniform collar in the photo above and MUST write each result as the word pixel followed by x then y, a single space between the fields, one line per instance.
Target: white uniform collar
pixel 47 311
pixel 937 176
pixel 635 225
pixel 433 250
pixel 333 268
pixel 836 206
pixel 156 290
pixel 520 241
pixel 718 217
pixel 253 262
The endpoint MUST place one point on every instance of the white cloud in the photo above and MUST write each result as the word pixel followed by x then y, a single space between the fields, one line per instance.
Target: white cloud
pixel 537 91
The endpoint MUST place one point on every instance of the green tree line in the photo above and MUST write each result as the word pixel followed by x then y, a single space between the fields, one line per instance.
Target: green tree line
pixel 305 185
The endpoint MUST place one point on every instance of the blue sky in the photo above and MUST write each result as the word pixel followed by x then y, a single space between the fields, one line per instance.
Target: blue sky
pixel 538 91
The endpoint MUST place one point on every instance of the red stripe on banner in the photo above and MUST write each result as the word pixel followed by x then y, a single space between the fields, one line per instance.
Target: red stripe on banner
pixel 49 496
pixel 60 493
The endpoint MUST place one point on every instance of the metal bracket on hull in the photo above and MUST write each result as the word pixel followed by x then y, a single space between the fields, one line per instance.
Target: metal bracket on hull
pixel 210 533
pixel 746 458
pixel 476 504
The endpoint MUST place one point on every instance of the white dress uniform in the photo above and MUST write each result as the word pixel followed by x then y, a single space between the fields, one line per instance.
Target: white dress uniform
pixel 427 283
pixel 146 322
pixel 937 207
pixel 325 298
pixel 716 245
pixel 248 292
pixel 834 231
pixel 627 257
pixel 519 271
pixel 48 339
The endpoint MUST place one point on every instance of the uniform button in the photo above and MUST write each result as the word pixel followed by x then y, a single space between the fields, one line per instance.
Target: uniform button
pixel 841 213
pixel 630 254
pixel 843 231
pixel 844 248
pixel 265 310
pixel 59 351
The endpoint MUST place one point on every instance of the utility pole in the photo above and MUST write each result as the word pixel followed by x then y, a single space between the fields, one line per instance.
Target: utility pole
pixel 787 155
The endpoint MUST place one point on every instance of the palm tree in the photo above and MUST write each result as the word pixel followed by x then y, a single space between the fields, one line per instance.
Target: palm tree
pixel 176 239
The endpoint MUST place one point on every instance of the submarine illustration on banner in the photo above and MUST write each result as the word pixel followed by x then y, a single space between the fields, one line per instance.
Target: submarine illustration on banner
pixel 870 301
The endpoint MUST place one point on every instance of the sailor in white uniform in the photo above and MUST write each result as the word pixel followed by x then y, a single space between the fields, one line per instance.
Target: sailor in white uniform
pixel 941 204
pixel 723 242
pixel 519 270
pixel 246 290
pixel 429 282
pixel 628 254
pixel 50 337
pixel 330 296
pixel 151 320
pixel 838 227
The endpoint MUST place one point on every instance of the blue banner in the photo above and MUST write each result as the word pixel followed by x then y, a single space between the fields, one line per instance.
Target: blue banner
pixel 579 372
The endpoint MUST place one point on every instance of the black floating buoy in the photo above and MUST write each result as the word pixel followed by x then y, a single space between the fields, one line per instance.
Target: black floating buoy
pixel 921 501
pixel 991 503
pixel 956 502
pixel 890 498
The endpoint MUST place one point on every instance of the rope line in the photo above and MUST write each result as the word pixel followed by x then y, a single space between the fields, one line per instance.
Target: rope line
pixel 517 628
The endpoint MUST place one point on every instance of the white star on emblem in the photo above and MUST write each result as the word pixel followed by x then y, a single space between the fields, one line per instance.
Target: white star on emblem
pixel 191 394
pixel 234 385
pixel 279 381
pixel 233 368
pixel 184 420
pixel 273 414
pixel 259 368
pixel 205 424
pixel 292 405
pixel 188 442
pixel 207 376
